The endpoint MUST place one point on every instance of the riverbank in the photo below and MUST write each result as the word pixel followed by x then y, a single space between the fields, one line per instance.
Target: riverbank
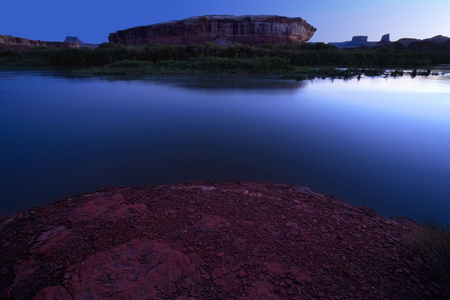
pixel 232 240
pixel 244 67
pixel 273 67
pixel 286 59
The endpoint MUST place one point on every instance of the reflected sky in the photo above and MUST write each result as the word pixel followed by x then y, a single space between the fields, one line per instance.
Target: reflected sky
pixel 378 142
pixel 398 96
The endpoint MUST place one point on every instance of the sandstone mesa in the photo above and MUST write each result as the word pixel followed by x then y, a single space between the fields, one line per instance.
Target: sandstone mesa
pixel 248 30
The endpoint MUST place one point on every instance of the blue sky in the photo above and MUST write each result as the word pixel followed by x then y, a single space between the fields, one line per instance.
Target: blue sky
pixel 93 20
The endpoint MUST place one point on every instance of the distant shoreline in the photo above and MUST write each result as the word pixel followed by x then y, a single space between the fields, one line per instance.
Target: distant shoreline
pixel 304 73
pixel 298 74
pixel 294 61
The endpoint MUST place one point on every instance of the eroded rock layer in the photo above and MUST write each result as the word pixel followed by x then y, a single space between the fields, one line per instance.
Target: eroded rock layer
pixel 8 42
pixel 247 30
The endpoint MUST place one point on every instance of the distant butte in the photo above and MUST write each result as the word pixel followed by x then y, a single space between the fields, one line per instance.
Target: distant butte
pixel 223 30
pixel 8 42
pixel 76 40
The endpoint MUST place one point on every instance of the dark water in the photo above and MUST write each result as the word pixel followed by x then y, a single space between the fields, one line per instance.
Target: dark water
pixel 378 142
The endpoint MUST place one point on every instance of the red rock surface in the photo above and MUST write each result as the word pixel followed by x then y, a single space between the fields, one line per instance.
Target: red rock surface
pixel 247 30
pixel 204 240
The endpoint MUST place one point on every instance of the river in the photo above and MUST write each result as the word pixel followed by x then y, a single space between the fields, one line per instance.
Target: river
pixel 380 142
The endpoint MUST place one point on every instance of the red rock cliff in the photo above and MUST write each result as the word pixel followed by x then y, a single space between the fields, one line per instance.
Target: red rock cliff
pixel 8 42
pixel 248 30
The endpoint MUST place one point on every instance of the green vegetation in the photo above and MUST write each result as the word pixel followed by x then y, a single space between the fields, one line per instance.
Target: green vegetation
pixel 271 65
pixel 432 243
pixel 298 61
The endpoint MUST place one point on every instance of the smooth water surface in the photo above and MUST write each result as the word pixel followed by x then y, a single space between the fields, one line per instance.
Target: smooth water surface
pixel 378 142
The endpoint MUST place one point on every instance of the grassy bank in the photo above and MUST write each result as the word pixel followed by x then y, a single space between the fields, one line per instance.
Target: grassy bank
pixel 263 65
pixel 298 61
pixel 432 243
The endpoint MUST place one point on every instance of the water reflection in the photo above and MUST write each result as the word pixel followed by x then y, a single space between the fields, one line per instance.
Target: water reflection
pixel 378 142
pixel 218 84
pixel 201 82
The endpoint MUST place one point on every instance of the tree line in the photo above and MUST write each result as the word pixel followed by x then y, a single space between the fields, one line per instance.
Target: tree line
pixel 277 57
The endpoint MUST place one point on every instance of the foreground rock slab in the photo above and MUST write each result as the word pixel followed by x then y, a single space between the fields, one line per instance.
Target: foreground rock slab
pixel 205 240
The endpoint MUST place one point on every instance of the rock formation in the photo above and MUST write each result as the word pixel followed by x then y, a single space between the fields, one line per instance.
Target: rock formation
pixel 358 41
pixel 76 40
pixel 248 30
pixel 438 44
pixel 386 38
pixel 205 240
pixel 8 42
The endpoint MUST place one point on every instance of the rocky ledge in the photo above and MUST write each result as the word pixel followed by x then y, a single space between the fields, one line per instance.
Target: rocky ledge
pixel 247 30
pixel 205 240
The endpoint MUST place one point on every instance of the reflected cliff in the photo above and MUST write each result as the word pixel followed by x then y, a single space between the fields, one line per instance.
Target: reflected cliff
pixel 265 84
pixel 228 83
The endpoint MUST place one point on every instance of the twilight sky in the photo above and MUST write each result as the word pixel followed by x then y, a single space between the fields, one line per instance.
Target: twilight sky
pixel 336 21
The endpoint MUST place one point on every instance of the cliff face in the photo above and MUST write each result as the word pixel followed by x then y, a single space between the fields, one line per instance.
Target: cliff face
pixel 8 42
pixel 248 30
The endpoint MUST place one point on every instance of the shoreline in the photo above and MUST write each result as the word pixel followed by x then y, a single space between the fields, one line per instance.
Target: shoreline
pixel 299 74
pixel 297 60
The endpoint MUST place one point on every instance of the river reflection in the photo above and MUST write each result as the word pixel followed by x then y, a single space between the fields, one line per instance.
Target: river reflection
pixel 203 82
pixel 377 142
pixel 223 84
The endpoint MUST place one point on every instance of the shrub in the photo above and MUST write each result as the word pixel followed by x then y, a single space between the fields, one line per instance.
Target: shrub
pixel 432 242
pixel 265 58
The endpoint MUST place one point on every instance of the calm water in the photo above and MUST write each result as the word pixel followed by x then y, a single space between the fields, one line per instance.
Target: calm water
pixel 378 142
